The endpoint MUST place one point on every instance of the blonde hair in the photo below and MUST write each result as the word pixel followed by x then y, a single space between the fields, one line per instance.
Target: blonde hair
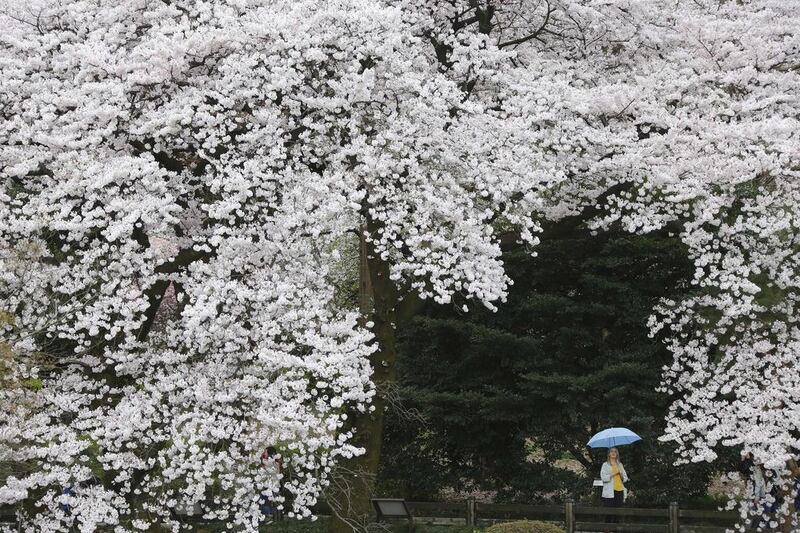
pixel 608 457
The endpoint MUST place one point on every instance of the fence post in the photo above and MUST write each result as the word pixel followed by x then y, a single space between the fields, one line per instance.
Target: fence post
pixel 569 513
pixel 674 524
pixel 471 519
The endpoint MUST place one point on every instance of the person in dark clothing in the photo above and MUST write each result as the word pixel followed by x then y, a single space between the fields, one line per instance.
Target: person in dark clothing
pixel 271 461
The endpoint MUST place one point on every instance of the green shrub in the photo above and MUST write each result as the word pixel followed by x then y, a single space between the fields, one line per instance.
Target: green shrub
pixel 524 526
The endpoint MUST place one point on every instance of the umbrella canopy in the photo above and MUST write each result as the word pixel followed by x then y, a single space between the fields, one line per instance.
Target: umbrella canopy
pixel 611 437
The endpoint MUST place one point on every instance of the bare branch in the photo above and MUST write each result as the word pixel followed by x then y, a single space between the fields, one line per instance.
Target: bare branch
pixel 534 35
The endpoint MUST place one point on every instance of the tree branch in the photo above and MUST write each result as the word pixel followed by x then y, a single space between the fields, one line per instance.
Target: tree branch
pixel 533 35
pixel 580 457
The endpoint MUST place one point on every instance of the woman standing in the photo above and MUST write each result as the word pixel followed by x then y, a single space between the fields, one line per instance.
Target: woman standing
pixel 614 478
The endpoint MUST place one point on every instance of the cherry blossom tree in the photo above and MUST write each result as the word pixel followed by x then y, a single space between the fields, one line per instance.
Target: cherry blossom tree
pixel 218 152
pixel 221 152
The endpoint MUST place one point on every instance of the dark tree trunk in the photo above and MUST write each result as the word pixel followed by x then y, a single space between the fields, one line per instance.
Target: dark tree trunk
pixel 378 300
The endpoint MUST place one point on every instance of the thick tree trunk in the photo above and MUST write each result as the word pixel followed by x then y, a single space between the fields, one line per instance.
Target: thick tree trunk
pixel 378 302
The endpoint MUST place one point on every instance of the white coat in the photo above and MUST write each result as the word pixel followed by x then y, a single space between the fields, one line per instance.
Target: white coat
pixel 608 483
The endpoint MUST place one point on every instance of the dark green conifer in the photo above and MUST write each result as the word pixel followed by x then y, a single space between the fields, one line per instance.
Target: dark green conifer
pixel 567 355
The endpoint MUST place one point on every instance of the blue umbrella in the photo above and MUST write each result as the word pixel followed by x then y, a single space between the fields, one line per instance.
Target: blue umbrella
pixel 611 437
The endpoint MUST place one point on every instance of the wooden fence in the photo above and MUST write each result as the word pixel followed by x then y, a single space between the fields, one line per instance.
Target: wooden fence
pixel 577 517
pixel 572 516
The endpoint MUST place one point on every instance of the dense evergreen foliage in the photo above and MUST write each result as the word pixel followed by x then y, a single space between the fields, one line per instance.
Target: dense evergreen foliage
pixel 509 398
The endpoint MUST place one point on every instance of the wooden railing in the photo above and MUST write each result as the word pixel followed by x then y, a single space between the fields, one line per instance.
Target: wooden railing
pixel 577 517
pixel 574 517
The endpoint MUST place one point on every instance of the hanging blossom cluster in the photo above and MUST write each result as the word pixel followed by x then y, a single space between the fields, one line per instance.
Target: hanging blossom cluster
pixel 736 343
pixel 175 179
